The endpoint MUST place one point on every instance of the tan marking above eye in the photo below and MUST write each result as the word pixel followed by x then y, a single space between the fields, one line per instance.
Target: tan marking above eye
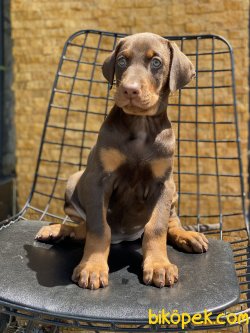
pixel 126 53
pixel 150 53
pixel 160 166
pixel 111 159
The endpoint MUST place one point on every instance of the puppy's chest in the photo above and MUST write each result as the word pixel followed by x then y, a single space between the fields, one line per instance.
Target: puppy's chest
pixel 139 155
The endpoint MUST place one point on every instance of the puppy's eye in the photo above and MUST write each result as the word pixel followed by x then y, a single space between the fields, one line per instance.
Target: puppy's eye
pixel 122 62
pixel 156 63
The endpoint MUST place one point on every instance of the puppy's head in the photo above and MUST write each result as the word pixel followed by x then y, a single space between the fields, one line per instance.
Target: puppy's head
pixel 147 68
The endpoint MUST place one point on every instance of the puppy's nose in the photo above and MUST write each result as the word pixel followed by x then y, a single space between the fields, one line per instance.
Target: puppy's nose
pixel 131 89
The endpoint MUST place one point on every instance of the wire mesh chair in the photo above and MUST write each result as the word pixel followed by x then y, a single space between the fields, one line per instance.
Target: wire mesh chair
pixel 208 167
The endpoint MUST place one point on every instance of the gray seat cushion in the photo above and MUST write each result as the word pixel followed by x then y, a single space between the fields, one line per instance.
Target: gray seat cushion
pixel 37 276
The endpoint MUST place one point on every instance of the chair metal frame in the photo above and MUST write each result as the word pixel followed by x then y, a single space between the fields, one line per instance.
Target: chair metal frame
pixel 80 41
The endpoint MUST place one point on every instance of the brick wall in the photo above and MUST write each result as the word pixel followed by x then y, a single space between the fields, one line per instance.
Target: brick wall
pixel 40 28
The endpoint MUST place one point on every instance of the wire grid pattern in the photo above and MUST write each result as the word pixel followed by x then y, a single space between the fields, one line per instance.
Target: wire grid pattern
pixel 208 169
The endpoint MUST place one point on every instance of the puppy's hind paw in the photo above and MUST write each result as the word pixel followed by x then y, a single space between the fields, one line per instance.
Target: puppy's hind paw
pixel 192 241
pixel 53 232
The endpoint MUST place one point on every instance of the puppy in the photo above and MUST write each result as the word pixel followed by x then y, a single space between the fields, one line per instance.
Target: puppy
pixel 127 188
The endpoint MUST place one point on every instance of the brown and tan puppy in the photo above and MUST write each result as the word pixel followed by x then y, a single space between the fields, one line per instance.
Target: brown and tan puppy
pixel 127 188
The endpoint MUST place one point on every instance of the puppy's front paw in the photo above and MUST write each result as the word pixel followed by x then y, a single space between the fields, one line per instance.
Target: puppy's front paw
pixel 192 241
pixel 91 275
pixel 160 273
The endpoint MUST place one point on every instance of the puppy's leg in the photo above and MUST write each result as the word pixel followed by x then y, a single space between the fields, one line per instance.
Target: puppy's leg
pixel 157 268
pixel 92 271
pixel 190 241
pixel 55 232
pixel 58 231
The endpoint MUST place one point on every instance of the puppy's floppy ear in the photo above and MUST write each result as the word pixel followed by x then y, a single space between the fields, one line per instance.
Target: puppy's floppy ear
pixel 108 67
pixel 181 71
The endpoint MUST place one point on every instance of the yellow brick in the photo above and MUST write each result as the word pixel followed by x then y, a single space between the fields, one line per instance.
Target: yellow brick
pixel 193 27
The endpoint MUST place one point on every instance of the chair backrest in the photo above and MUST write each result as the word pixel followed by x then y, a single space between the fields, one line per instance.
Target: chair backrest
pixel 208 169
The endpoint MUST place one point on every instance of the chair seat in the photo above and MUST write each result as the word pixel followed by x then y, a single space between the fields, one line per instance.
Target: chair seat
pixel 37 276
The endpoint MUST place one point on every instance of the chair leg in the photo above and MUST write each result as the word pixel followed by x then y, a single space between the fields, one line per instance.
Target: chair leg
pixel 4 320
pixel 30 326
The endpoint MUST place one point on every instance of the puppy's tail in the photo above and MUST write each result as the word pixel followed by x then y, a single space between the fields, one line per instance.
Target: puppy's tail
pixel 202 227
